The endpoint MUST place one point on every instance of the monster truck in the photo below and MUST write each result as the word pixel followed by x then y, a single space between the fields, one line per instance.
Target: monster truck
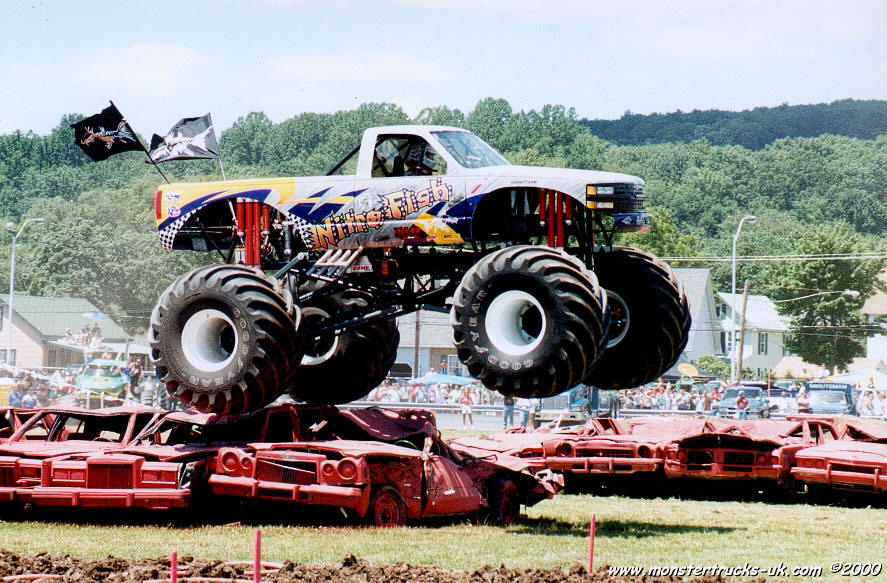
pixel 414 217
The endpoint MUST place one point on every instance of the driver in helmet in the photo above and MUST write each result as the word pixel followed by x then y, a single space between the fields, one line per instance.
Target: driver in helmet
pixel 421 160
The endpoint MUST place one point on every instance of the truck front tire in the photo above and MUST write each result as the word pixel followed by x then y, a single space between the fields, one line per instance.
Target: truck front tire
pixel 222 338
pixel 528 321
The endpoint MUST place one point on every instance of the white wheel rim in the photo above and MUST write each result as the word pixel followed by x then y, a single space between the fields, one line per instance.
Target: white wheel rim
pixel 202 338
pixel 616 301
pixel 315 359
pixel 504 323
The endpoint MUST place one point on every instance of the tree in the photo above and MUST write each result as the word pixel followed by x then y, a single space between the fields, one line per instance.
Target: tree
pixel 713 365
pixel 827 327
pixel 664 238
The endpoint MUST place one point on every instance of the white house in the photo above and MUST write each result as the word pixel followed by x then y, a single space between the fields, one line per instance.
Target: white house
pixel 763 344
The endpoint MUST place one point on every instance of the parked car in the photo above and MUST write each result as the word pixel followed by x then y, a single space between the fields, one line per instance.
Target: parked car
pixel 386 467
pixel 758 402
pixel 830 398
pixel 102 375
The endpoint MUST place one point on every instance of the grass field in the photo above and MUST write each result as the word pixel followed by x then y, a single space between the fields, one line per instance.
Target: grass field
pixel 631 532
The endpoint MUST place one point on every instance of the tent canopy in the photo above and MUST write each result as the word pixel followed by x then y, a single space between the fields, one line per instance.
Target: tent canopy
pixel 434 378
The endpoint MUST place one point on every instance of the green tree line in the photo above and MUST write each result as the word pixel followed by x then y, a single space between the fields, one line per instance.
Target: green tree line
pixel 752 129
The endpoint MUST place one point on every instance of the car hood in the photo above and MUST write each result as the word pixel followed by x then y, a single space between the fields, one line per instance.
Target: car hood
pixel 538 173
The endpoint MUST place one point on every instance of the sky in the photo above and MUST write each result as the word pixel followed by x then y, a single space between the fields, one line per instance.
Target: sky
pixel 163 60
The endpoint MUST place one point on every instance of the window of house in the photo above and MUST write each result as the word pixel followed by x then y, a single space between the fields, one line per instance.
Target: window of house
pixel 762 343
pixel 3 356
pixel 722 343
pixel 720 310
pixel 455 366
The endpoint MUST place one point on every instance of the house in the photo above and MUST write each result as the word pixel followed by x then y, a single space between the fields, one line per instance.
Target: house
pixel 39 326
pixel 705 330
pixel 435 351
pixel 763 344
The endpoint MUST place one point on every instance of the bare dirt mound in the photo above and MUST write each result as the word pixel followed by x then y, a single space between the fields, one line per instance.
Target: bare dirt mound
pixel 18 568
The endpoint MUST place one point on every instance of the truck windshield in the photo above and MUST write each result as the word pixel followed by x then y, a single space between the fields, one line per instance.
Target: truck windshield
pixel 828 398
pixel 469 150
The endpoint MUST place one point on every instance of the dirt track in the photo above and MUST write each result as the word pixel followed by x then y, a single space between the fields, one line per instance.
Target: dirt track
pixel 17 567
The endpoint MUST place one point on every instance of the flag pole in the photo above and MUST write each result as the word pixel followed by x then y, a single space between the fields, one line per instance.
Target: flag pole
pixel 144 149
pixel 222 167
pixel 150 159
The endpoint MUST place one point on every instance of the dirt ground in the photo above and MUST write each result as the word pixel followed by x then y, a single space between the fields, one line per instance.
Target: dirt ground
pixel 17 567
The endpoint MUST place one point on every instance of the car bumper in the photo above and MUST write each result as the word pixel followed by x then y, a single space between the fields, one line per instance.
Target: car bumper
pixel 717 471
pixel 354 498
pixel 148 498
pixel 861 479
pixel 603 465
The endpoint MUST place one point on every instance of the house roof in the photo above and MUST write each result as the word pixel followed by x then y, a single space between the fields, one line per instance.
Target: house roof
pixel 52 316
pixel 760 313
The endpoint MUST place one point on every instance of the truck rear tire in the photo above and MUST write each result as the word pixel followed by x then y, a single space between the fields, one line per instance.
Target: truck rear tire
pixel 341 368
pixel 223 337
pixel 649 319
pixel 529 321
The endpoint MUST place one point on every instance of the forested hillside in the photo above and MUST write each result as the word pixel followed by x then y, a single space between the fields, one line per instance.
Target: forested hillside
pixel 752 129
pixel 98 240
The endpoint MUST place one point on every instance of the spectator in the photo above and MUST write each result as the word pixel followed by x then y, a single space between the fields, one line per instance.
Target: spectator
pixel 465 407
pixel 508 411
pixel 15 396
pixel 29 400
pixel 867 406
pixel 803 402
pixel 741 406
pixel 135 376
pixel 523 406
pixel 882 404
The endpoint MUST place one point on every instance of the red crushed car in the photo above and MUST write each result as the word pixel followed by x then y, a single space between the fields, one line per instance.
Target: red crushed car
pixel 167 466
pixel 601 447
pixel 59 431
pixel 11 418
pixel 752 450
pixel 856 462
pixel 386 467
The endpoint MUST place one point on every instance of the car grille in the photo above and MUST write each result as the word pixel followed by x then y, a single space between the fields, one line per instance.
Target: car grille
pixel 629 205
pixel 854 469
pixel 287 472
pixel 739 459
pixel 109 476
pixel 7 477
pixel 623 453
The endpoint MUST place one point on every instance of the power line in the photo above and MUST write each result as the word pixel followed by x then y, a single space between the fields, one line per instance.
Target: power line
pixel 756 258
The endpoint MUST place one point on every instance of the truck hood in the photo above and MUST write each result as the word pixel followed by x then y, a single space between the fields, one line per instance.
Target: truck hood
pixel 532 175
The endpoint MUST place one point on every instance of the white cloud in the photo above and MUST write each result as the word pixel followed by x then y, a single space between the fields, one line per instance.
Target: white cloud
pixel 287 85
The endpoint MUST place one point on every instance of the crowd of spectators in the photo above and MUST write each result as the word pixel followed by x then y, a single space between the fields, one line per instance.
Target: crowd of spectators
pixel 680 396
pixel 412 391
pixel 88 336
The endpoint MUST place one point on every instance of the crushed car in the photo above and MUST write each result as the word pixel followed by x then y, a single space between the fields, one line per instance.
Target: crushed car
pixel 752 450
pixel 386 467
pixel 59 431
pixel 165 467
pixel 856 462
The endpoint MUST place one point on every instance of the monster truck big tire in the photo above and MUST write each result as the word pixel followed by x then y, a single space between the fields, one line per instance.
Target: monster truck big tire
pixel 222 338
pixel 528 321
pixel 341 368
pixel 649 319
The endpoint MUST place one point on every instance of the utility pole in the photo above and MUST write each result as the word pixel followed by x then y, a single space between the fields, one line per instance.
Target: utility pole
pixel 741 333
pixel 416 374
